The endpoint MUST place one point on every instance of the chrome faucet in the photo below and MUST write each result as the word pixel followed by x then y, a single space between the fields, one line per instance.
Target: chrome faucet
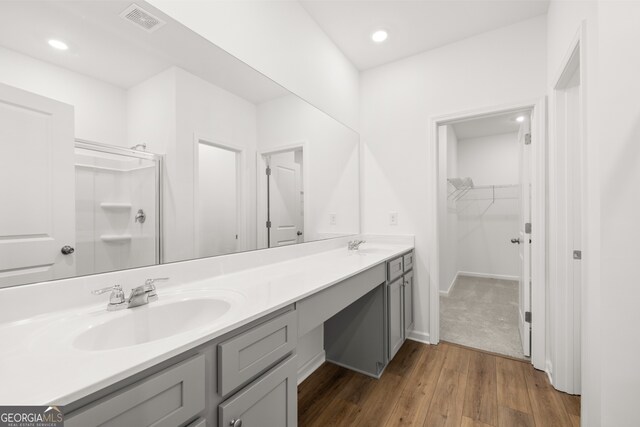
pixel 116 299
pixel 140 295
pixel 354 245
pixel 144 294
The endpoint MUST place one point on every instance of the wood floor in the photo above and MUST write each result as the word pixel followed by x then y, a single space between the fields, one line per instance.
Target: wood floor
pixel 443 385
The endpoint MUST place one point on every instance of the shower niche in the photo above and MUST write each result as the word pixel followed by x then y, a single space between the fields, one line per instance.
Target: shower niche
pixel 117 208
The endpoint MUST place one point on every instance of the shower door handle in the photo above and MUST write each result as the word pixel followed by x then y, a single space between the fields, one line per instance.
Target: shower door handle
pixel 67 250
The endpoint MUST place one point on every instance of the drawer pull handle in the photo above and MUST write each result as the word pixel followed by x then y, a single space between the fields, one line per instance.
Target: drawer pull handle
pixel 236 423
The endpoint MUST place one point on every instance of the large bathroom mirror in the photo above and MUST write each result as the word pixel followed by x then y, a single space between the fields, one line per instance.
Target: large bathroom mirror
pixel 128 140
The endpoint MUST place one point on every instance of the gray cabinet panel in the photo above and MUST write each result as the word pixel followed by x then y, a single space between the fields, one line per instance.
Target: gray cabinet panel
pixel 394 269
pixel 270 401
pixel 168 398
pixel 408 261
pixel 243 357
pixel 355 338
pixel 408 303
pixel 316 309
pixel 396 330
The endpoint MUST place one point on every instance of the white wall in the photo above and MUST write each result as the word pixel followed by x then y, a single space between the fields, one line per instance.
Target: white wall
pixel 280 40
pixel 167 112
pixel 619 155
pixel 485 228
pixel 99 108
pixel 500 67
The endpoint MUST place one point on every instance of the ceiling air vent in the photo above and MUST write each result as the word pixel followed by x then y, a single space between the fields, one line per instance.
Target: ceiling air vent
pixel 137 15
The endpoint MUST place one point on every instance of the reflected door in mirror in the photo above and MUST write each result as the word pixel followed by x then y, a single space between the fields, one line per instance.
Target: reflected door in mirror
pixel 36 184
pixel 285 198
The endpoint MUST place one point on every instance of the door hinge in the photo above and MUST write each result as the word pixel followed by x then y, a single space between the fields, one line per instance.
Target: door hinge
pixel 527 228
pixel 577 254
pixel 268 171
pixel 268 224
pixel 527 139
pixel 527 316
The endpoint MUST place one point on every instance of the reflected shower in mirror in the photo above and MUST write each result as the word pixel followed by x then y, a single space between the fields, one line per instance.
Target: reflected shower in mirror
pixel 137 145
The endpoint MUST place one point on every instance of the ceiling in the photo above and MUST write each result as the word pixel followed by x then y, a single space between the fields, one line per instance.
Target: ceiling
pixel 413 26
pixel 489 125
pixel 105 46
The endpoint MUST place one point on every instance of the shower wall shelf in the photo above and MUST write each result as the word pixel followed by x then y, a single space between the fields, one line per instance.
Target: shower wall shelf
pixel 115 205
pixel 115 238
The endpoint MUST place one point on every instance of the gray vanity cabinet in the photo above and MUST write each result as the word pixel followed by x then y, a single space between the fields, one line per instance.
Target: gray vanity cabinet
pixel 167 399
pixel 400 310
pixel 249 374
pixel 407 291
pixel 394 304
pixel 271 400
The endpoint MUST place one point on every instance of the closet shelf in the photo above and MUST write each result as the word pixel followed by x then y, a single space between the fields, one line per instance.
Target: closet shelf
pixel 464 189
pixel 115 205
pixel 115 237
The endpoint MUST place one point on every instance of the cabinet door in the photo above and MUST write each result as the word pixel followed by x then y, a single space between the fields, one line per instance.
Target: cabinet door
pixel 270 401
pixel 408 303
pixel 395 317
pixel 166 399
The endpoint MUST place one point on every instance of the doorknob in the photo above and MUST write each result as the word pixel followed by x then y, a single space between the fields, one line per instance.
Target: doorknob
pixel 67 250
pixel 299 233
pixel 515 240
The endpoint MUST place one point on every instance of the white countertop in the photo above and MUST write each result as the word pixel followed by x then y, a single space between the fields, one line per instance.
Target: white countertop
pixel 39 363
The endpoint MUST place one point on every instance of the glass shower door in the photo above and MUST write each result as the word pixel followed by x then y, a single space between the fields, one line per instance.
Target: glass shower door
pixel 117 208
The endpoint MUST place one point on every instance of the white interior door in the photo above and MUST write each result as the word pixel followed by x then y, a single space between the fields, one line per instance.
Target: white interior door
pixel 285 192
pixel 37 212
pixel 525 237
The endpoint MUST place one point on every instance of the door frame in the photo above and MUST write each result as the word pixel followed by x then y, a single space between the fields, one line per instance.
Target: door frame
pixel 538 216
pixel 567 309
pixel 261 182
pixel 241 182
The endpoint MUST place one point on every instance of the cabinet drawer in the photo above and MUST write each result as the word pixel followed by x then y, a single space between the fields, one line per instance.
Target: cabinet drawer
pixel 408 261
pixel 168 398
pixel 245 356
pixel 270 401
pixel 394 269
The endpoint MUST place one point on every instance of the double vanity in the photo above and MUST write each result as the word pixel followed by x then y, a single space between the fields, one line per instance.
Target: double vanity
pixel 211 351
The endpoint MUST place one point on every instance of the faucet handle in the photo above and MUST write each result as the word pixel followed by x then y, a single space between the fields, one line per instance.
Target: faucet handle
pixel 116 299
pixel 150 282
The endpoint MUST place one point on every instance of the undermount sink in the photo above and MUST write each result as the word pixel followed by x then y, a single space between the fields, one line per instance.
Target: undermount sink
pixel 151 322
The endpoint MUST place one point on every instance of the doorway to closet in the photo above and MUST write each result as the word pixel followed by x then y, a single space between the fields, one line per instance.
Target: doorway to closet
pixel 484 233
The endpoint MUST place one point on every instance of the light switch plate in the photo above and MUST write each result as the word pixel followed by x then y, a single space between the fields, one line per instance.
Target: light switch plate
pixel 393 218
pixel 332 219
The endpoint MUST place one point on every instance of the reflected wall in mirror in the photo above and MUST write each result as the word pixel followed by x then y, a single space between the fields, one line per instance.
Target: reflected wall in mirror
pixel 138 145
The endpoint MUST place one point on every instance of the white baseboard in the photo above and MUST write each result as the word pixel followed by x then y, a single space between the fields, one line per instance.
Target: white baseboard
pixel 309 367
pixel 451 285
pixel 487 275
pixel 418 336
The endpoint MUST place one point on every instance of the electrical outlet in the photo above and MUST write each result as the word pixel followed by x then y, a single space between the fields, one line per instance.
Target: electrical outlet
pixel 332 219
pixel 393 218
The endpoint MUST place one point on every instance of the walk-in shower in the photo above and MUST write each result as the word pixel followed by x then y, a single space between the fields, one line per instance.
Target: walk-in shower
pixel 118 208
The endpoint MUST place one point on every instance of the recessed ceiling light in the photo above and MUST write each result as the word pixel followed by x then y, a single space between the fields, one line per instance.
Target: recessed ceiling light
pixel 379 36
pixel 520 119
pixel 57 44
